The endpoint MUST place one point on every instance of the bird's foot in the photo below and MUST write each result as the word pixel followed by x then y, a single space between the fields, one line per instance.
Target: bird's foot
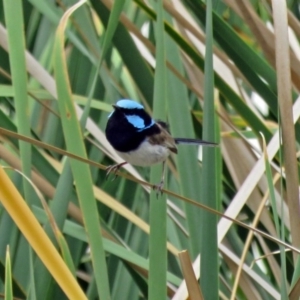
pixel 114 169
pixel 158 188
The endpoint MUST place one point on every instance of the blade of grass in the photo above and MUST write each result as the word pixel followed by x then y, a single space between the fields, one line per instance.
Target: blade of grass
pixel 179 113
pixel 81 172
pixel 209 274
pixel 8 292
pixel 33 232
pixel 112 24
pixel 16 42
pixel 286 116
pixel 56 218
pixel 189 276
pixel 107 39
pixel 295 291
pixel 32 290
pixel 66 252
pixel 283 288
pixel 246 248
pixel 59 208
pixel 158 207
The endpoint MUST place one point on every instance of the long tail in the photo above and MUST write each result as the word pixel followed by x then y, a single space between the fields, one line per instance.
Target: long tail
pixel 194 142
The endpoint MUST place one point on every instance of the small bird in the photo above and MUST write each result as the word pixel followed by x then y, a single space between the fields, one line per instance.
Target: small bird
pixel 140 140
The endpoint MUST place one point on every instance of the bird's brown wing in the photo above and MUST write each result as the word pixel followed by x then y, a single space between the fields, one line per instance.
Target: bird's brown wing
pixel 163 138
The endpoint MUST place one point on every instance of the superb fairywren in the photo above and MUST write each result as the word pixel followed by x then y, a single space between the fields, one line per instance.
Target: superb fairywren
pixel 140 140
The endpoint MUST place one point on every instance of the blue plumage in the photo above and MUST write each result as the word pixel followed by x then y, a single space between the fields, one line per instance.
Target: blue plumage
pixel 138 122
pixel 129 104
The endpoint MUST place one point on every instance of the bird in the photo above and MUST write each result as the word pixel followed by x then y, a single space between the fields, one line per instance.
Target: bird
pixel 140 140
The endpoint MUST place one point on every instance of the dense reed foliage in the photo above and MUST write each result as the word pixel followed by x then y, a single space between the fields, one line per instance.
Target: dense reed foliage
pixel 227 224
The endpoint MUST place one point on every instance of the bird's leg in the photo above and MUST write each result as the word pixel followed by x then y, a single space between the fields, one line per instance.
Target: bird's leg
pixel 114 169
pixel 159 187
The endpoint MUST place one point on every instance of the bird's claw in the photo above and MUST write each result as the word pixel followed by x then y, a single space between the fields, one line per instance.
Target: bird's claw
pixel 112 169
pixel 159 188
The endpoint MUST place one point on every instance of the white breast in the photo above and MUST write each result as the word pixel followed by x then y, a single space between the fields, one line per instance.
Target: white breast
pixel 146 155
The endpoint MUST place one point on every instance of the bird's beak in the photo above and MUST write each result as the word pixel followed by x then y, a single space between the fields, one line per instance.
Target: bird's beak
pixel 115 106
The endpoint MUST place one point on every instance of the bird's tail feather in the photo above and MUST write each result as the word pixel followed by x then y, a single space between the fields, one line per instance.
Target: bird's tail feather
pixel 194 142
